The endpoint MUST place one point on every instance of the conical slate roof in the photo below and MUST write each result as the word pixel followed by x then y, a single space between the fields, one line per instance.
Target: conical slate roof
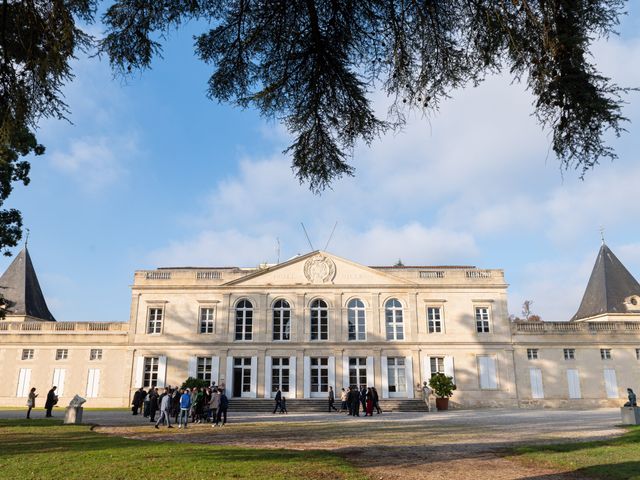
pixel 609 285
pixel 21 291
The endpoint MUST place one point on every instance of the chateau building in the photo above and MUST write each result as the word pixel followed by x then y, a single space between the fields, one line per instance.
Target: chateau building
pixel 319 320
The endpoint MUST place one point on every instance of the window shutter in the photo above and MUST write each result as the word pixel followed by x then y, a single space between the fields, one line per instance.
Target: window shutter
pixel 345 371
pixel 292 377
pixel 371 380
pixel 90 383
pixel 58 380
pixel 215 370
pixel 24 379
pixel 409 375
pixel 229 379
pixel 426 369
pixel 448 368
pixel 267 376
pixel 488 377
pixel 385 377
pixel 535 375
pixel 254 377
pixel 611 383
pixel 139 372
pixel 332 371
pixel 192 369
pixel 307 377
pixel 162 371
pixel 573 380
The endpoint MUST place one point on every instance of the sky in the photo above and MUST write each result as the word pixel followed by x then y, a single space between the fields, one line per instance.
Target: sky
pixel 150 173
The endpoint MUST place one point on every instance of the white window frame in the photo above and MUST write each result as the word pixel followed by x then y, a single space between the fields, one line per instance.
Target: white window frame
pixel 319 389
pixel 206 320
pixel 62 354
pixel 27 354
pixel 396 376
pixel 280 366
pixel 204 368
pixel 155 320
pixel 394 319
pixel 435 319
pixel 569 354
pixel 151 369
pixel 281 315
pixel 319 314
pixel 483 318
pixel 243 321
pixel 356 316
pixel 605 354
pixel 95 354
pixel 439 363
pixel 533 353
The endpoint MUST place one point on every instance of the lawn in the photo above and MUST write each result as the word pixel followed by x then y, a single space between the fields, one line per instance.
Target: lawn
pixel 613 459
pixel 48 449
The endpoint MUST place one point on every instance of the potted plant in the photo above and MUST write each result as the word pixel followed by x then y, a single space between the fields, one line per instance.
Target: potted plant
pixel 443 388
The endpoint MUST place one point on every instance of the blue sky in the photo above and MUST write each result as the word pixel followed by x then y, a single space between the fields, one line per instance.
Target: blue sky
pixel 152 173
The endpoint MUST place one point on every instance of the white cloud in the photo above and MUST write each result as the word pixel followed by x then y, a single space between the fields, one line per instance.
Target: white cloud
pixel 95 162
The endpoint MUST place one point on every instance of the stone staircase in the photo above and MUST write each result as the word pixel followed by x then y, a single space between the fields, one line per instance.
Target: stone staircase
pixel 316 405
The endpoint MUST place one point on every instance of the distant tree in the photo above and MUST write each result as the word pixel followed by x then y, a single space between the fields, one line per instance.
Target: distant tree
pixel 399 263
pixel 535 318
pixel 311 64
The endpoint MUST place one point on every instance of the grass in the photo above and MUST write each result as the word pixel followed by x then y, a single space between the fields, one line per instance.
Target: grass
pixel 47 449
pixel 613 459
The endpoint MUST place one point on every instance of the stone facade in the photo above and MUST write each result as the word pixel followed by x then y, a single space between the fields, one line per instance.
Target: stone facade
pixel 318 320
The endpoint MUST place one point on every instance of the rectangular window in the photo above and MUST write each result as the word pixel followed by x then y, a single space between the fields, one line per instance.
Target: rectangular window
pixel 437 365
pixel 569 354
pixel 154 324
pixel 482 319
pixel 244 321
pixel 280 374
pixel 573 382
pixel 357 372
pixel 434 319
pixel 62 354
pixel 488 372
pixel 535 375
pixel 95 354
pixel 532 353
pixel 319 375
pixel 150 372
pixel 356 321
pixel 637 353
pixel 281 321
pixel 204 369
pixel 396 374
pixel 605 353
pixel 206 320
pixel 27 354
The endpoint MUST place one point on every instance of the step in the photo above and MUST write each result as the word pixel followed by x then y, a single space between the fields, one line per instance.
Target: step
pixel 318 405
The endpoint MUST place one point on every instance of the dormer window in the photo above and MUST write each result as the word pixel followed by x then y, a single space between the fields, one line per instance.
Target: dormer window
pixel 632 302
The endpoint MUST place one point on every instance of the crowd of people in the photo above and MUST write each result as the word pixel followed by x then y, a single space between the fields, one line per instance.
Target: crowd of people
pixel 352 399
pixel 183 405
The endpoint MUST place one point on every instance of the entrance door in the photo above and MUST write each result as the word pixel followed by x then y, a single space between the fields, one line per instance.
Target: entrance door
pixel 241 376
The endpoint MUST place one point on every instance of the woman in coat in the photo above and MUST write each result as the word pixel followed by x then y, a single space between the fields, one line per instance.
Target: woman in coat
pixel 31 401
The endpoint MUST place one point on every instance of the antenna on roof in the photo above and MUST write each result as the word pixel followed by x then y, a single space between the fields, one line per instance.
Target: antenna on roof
pixel 602 233
pixel 330 236
pixel 307 235
pixel 278 248
pixel 26 240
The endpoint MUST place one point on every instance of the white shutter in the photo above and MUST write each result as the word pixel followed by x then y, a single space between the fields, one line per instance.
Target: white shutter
pixel 448 368
pixel 24 379
pixel 229 380
pixel 332 371
pixel 306 377
pixel 89 392
pixel 139 372
pixel 215 370
pixel 254 377
pixel 192 368
pixel 93 383
pixel 611 383
pixel 371 380
pixel 488 377
pixel 162 371
pixel 267 376
pixel 384 369
pixel 408 365
pixel 573 380
pixel 426 369
pixel 345 371
pixel 535 375
pixel 59 375
pixel 292 377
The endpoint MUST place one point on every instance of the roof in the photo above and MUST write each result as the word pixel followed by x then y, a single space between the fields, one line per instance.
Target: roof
pixel 21 290
pixel 609 286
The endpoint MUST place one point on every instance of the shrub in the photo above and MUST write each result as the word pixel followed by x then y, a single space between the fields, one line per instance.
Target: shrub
pixel 194 383
pixel 442 385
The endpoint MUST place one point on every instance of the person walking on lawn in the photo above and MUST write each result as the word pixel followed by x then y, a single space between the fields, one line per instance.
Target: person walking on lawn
pixel 165 408
pixel 185 405
pixel 332 400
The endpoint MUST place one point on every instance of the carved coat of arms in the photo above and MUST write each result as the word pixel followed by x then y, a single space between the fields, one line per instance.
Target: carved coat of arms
pixel 319 269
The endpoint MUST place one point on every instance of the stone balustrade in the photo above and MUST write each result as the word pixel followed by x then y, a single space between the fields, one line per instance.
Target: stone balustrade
pixel 573 327
pixel 7 327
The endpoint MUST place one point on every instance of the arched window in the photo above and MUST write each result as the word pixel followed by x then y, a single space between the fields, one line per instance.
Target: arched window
pixel 356 317
pixel 281 320
pixel 319 320
pixel 393 319
pixel 244 320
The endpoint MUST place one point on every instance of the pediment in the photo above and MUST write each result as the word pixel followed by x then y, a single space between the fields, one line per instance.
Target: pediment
pixel 319 268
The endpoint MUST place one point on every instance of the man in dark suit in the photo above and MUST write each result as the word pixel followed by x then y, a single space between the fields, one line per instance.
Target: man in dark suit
pixel 138 398
pixel 363 397
pixel 332 399
pixel 278 400
pixel 52 399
